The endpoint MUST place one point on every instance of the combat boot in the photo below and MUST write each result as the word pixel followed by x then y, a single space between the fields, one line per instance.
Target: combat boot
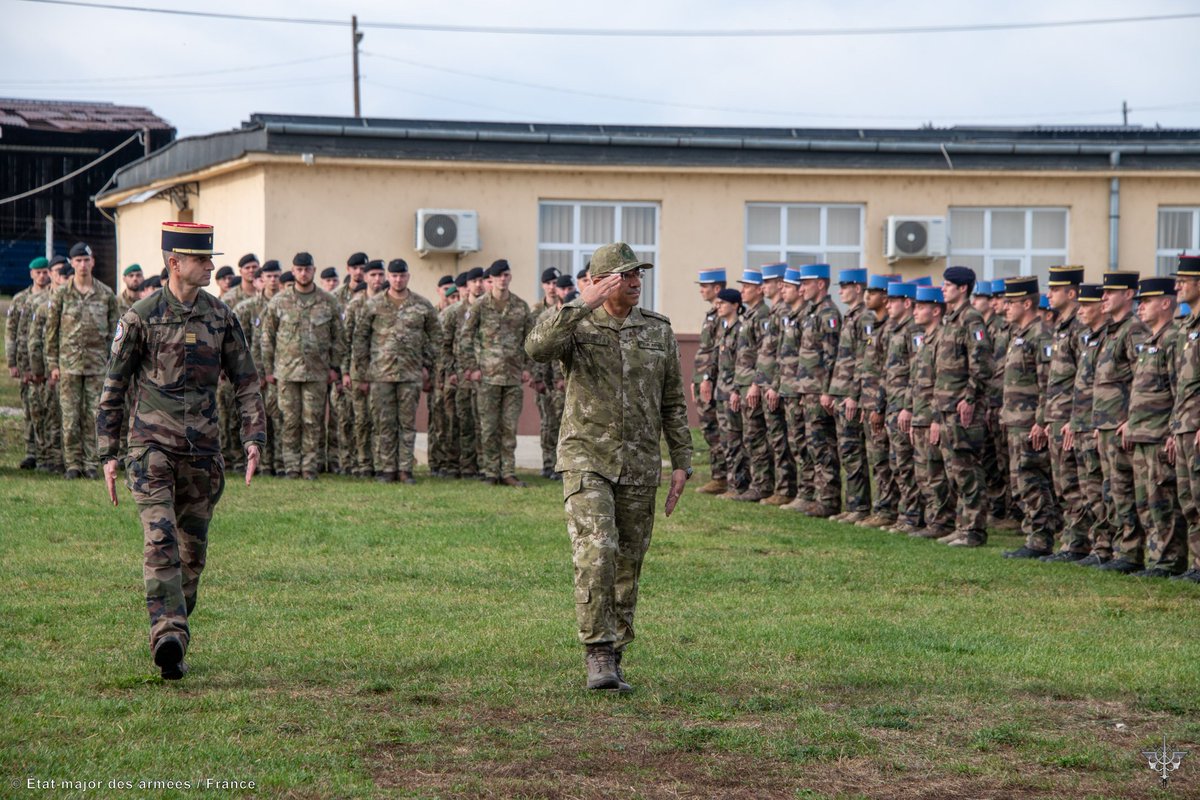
pixel 385 477
pixel 72 474
pixel 965 540
pixel 796 504
pixel 929 533
pixel 28 462
pixel 1025 552
pixel 1192 575
pixel 512 481
pixel 750 496
pixel 1154 572
pixel 853 517
pixel 876 521
pixel 406 477
pixel 714 486
pixel 601 666
pixel 904 528
pixel 168 657
pixel 1066 556
pixel 1093 560
pixel 776 500
pixel 951 537
pixel 1120 565
pixel 622 685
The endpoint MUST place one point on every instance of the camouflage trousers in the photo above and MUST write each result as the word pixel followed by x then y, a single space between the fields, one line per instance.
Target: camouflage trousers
pixel 887 495
pixel 1077 519
pixel 756 447
pixel 737 467
pixel 1029 471
pixel 852 453
pixel 1158 508
pixel 364 457
pixel 451 435
pixel 995 468
pixel 302 405
pixel 29 427
pixel 468 429
pixel 273 453
pixel 710 426
pixel 930 471
pixel 343 414
pixel 499 410
pixel 793 410
pixel 550 409
pixel 900 458
pixel 229 424
pixel 610 526
pixel 435 442
pixel 781 450
pixel 395 408
pixel 1117 463
pixel 327 455
pixel 1187 477
pixel 80 399
pixel 175 496
pixel 48 416
pixel 820 430
pixel 962 451
pixel 1093 490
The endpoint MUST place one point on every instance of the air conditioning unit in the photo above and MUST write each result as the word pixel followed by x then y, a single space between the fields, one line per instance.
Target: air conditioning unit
pixel 915 237
pixel 444 230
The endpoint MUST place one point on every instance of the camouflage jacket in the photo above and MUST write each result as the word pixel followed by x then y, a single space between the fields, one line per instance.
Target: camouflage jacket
pixel 624 393
pixel 868 378
pixel 923 376
pixel 1089 346
pixel 494 340
pixel 755 322
pixel 820 330
pixel 1114 371
pixel 173 355
pixel 893 389
pixel 19 310
pixel 249 316
pixel 766 366
pixel 548 371
pixel 344 294
pixel 849 353
pixel 452 320
pixel 787 355
pixel 998 329
pixel 1185 416
pixel 80 328
pixel 35 347
pixel 964 363
pixel 237 295
pixel 395 340
pixel 1026 370
pixel 1055 404
pixel 125 301
pixel 706 353
pixel 302 335
pixel 350 314
pixel 727 339
pixel 1151 397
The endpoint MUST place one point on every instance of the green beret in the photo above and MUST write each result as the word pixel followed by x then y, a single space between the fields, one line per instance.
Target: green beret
pixel 132 268
pixel 39 263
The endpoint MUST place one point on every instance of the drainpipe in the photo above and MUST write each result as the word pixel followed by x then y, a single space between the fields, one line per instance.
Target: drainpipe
pixel 1114 211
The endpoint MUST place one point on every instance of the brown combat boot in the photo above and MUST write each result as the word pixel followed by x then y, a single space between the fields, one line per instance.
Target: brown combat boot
pixel 622 685
pixel 876 521
pixel 601 664
pixel 776 500
pixel 513 481
pixel 714 486
pixel 852 517
pixel 750 496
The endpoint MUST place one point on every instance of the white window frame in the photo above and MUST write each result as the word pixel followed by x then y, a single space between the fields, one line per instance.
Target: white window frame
pixel 773 255
pixel 581 252
pixel 1172 253
pixel 1026 255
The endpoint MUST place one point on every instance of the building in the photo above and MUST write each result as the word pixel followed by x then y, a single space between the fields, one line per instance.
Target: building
pixel 44 140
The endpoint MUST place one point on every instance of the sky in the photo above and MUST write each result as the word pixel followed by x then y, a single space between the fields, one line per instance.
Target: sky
pixel 207 75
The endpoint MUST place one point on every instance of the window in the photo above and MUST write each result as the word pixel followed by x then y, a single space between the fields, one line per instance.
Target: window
pixel 804 233
pixel 1007 242
pixel 570 231
pixel 1178 233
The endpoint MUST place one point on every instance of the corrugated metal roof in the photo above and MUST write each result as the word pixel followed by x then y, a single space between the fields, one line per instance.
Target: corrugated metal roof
pixel 77 116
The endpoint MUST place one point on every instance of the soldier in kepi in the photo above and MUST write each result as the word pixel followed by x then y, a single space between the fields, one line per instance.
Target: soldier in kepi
pixel 624 392
pixel 174 343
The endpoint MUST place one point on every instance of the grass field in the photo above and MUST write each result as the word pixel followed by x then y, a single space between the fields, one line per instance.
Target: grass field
pixel 357 640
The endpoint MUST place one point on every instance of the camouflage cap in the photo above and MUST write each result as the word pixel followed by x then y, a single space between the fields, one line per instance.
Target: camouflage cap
pixel 616 257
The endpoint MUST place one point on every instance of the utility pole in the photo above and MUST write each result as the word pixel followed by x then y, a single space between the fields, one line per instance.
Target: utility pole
pixel 356 37
pixel 1124 105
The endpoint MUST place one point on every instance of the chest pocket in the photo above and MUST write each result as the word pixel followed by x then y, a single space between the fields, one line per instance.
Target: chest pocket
pixel 599 340
pixel 651 343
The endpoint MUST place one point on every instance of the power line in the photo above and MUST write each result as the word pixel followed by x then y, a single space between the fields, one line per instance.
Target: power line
pixel 70 175
pixel 681 33
pixel 172 76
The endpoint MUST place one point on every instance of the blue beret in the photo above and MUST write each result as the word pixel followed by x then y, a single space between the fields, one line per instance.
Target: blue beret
pixel 852 276
pixel 961 276
pixel 899 289
pixel 712 276
pixel 880 282
pixel 772 271
pixel 983 289
pixel 792 275
pixel 924 280
pixel 930 294
pixel 813 271
pixel 998 287
pixel 1185 310
pixel 1043 302
pixel 751 276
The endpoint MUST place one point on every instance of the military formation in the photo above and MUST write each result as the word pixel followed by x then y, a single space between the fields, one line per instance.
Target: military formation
pixel 940 411
pixel 342 366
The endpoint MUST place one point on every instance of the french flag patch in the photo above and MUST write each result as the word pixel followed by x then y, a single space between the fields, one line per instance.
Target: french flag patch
pixel 979 335
pixel 833 323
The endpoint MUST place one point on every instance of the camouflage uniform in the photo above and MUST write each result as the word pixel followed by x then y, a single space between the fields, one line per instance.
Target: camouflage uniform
pixel 1185 421
pixel 175 470
pixel 891 398
pixel 363 449
pixel 1092 483
pixel 77 337
pixel 1054 412
pixel 445 368
pixel 787 362
pixel 341 400
pixel 464 391
pixel 249 313
pixel 1110 408
pixel 820 330
pixel 1150 404
pixel 755 322
pixel 766 373
pixel 624 392
pixel 395 346
pixel 995 457
pixel 964 366
pixel 865 388
pixel 125 301
pixel 227 412
pixel 550 403
pixel 929 466
pixel 852 447
pixel 301 343
pixel 1026 370
pixel 705 364
pixel 49 410
pixel 737 468
pixel 494 338
pixel 16 331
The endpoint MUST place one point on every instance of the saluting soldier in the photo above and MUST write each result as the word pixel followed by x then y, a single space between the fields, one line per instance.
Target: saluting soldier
pixel 172 345
pixel 1185 415
pixel 875 328
pixel 917 418
pixel 711 281
pixel 766 370
pixel 755 322
pixel 852 445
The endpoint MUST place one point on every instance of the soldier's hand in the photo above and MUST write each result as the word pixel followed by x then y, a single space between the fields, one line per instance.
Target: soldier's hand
pixel 1038 438
pixel 772 400
pixel 252 456
pixel 1169 448
pixel 270 379
pixel 678 480
pixel 935 433
pixel 526 377
pixel 850 407
pixel 966 413
pixel 753 396
pixel 735 402
pixel 905 421
pixel 333 376
pixel 539 387
pixel 594 293
pixel 1197 440
pixel 706 394
pixel 13 372
pixel 475 375
pixel 876 420
pixel 1123 431
pixel 452 379
pixel 110 479
pixel 363 387
pixel 346 381
pixel 53 378
pixel 1068 438
pixel 827 402
pixel 560 385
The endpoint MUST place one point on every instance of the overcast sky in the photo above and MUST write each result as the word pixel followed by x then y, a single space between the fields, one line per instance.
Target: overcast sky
pixel 1075 75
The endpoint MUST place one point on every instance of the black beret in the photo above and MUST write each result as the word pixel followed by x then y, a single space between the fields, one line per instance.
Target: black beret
pixel 571 295
pixel 960 276
pixel 58 260
pixel 153 282
pixel 730 296
pixel 358 287
pixel 498 267
pixel 357 260
pixel 445 279
pixel 246 259
pixel 287 277
pixel 80 249
pixel 258 272
pixel 236 282
pixel 550 274
pixel 397 265
pixel 377 264
pixel 460 280
pixel 583 272
pixel 224 272
pixel 271 266
pixel 475 274
pixel 564 282
pixel 329 272
pixel 67 271
pixel 302 259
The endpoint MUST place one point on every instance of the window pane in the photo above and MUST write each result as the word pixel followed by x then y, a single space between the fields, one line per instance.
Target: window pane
pixel 1165 265
pixel 799 259
pixel 756 258
pixel 966 229
pixel 1008 230
pixel 1041 268
pixel 973 262
pixel 1006 267
pixel 597 224
pixel 762 225
pixel 841 261
pixel 845 227
pixel 648 275
pixel 803 225
pixel 554 224
pixel 1174 230
pixel 1050 230
pixel 637 226
pixel 563 259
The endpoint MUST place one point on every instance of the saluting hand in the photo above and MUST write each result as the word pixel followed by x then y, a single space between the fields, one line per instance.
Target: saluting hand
pixel 678 481
pixel 595 292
